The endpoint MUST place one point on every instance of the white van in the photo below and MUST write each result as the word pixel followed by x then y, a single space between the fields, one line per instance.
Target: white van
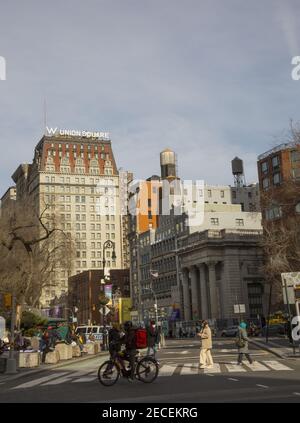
pixel 96 331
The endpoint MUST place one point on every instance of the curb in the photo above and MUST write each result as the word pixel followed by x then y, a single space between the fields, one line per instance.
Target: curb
pixel 268 348
pixel 51 367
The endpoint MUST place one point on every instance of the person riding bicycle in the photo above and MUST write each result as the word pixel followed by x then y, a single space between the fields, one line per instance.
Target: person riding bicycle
pixel 114 340
pixel 129 339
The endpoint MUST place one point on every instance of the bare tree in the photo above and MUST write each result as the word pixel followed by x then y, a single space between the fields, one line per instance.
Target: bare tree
pixel 281 238
pixel 33 246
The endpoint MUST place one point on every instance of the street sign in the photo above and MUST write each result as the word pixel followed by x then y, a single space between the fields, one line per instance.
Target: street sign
pixel 239 308
pixel 106 310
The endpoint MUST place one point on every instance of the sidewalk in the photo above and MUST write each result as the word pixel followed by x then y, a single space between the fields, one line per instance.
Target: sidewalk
pixel 43 367
pixel 278 346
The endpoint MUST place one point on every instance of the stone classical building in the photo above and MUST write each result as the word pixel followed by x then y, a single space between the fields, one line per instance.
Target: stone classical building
pixel 218 270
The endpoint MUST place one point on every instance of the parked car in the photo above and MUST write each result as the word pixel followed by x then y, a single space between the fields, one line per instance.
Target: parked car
pixel 230 331
pixel 277 329
pixel 96 331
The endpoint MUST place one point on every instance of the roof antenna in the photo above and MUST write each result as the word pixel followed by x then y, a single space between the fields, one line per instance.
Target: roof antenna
pixel 45 115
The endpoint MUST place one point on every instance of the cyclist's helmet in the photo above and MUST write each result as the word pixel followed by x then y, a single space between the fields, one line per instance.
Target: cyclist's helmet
pixel 127 325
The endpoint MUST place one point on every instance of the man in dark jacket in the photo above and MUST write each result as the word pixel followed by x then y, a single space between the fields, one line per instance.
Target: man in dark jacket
pixel 114 341
pixel 152 338
pixel 129 339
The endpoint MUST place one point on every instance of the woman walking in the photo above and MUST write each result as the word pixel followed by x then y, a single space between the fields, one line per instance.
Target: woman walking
pixel 206 360
pixel 242 344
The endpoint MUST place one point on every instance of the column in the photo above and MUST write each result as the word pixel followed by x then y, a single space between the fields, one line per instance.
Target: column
pixel 195 296
pixel 203 292
pixel 186 295
pixel 213 290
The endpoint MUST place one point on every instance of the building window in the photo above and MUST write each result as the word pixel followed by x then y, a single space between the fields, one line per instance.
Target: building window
pixel 214 221
pixel 273 212
pixel 209 192
pixel 296 173
pixel 222 194
pixel 264 167
pixel 276 178
pixel 295 156
pixel 266 183
pixel 239 222
pixel 275 162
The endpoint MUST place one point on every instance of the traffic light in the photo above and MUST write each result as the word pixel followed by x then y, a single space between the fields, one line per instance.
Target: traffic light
pixel 7 300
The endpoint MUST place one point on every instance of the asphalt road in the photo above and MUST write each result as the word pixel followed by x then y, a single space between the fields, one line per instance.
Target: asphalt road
pixel 271 379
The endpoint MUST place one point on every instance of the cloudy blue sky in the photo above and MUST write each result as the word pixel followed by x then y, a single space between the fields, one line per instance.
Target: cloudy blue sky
pixel 209 78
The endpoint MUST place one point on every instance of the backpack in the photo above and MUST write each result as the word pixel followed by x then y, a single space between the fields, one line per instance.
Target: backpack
pixel 141 338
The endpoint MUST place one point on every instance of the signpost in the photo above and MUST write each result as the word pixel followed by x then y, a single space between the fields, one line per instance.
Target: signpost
pixel 2 327
pixel 239 309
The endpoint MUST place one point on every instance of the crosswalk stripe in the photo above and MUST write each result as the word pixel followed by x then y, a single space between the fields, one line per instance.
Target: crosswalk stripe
pixel 232 367
pixel 215 369
pixel 257 367
pixel 38 381
pixel 76 374
pixel 167 370
pixel 275 365
pixel 59 380
pixel 84 379
pixel 189 369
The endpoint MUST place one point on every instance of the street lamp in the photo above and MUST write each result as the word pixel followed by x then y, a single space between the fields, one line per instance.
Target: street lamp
pixel 107 244
pixel 155 303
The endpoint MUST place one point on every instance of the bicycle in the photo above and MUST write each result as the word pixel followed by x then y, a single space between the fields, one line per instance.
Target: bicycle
pixel 146 369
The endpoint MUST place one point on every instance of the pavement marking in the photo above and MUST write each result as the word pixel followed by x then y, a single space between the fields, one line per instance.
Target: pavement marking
pixel 233 367
pixel 275 365
pixel 257 367
pixel 39 381
pixel 232 378
pixel 184 352
pixel 189 369
pixel 262 386
pixel 296 393
pixel 84 379
pixel 216 369
pixel 167 370
pixel 59 380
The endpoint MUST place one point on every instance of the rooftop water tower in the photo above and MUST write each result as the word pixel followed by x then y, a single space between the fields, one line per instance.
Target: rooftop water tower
pixel 238 172
pixel 168 164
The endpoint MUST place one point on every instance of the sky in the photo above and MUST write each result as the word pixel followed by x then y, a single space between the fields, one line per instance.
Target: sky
pixel 210 79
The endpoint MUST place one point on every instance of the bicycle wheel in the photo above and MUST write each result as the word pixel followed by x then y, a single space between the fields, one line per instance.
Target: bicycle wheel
pixel 147 369
pixel 108 373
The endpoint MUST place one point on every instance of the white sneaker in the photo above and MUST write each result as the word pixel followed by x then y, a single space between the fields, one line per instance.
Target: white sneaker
pixel 202 366
pixel 210 366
